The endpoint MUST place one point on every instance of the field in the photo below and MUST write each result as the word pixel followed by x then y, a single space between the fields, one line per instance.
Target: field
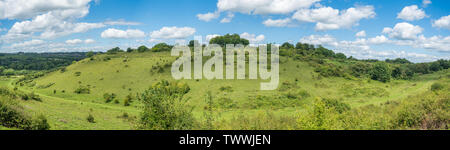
pixel 236 102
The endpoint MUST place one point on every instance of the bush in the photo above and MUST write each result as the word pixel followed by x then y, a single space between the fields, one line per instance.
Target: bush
pixel 41 123
pixel 164 108
pixel 437 87
pixel 90 119
pixel 13 116
pixel 77 74
pixel 82 90
pixel 381 72
pixel 109 97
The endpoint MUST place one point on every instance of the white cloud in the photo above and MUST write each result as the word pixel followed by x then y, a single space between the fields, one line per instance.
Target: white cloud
pixel 403 31
pixel 25 9
pixel 411 13
pixel 425 3
pixel 74 41
pixel 319 40
pixel 278 22
pixel 253 39
pixel 78 41
pixel 378 40
pixel 264 6
pixel 327 18
pixel 208 16
pixel 361 34
pixel 227 19
pixel 209 37
pixel 28 43
pixel 122 23
pixel 173 33
pixel 443 22
pixel 50 19
pixel 89 41
pixel 121 34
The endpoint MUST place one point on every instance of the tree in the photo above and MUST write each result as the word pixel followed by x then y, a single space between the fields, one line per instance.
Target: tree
pixel 114 50
pixel 90 54
pixel 435 66
pixel 340 56
pixel 381 72
pixel 142 49
pixel 129 50
pixel 193 42
pixel 229 39
pixel 161 47
pixel 287 45
pixel 164 108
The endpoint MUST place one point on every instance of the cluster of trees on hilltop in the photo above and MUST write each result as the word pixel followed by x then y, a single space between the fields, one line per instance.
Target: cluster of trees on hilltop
pixel 399 68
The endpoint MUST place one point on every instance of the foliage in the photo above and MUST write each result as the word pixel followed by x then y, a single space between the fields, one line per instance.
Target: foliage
pixel 114 50
pixel 161 47
pixel 164 108
pixel 142 49
pixel 37 61
pixel 90 118
pixel 381 72
pixel 82 90
pixel 229 39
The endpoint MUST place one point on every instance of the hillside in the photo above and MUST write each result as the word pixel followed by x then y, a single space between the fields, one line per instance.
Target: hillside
pixel 130 73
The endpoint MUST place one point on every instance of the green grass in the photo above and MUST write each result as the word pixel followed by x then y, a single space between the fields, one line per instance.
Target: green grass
pixel 68 111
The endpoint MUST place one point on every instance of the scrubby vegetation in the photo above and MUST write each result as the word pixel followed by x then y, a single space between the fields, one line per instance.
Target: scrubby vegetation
pixel 319 89
pixel 164 107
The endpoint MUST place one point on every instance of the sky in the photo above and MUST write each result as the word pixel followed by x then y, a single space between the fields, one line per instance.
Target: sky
pixel 417 30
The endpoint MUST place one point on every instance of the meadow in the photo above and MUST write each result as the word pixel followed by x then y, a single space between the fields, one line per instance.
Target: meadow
pixel 101 93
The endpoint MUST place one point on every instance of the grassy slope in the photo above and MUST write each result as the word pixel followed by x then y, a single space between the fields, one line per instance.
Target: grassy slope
pixel 69 110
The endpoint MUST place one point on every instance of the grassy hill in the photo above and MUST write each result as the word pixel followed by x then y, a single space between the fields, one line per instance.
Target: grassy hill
pixel 236 102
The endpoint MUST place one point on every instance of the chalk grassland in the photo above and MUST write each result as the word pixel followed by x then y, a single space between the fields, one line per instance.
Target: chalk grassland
pixel 130 73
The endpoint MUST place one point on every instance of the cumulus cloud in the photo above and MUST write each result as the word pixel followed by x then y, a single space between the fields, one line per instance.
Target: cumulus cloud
pixel 122 23
pixel 253 39
pixel 227 19
pixel 49 19
pixel 173 33
pixel 443 22
pixel 411 13
pixel 209 37
pixel 28 43
pixel 319 40
pixel 425 3
pixel 264 6
pixel 327 18
pixel 403 31
pixel 78 41
pixel 25 9
pixel 361 34
pixel 121 34
pixel 89 41
pixel 378 40
pixel 208 16
pixel 278 22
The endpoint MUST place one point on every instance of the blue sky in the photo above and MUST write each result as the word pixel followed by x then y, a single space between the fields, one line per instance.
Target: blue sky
pixel 414 29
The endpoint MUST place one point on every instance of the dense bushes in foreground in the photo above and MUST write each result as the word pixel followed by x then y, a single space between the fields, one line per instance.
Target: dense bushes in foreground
pixel 164 108
pixel 13 116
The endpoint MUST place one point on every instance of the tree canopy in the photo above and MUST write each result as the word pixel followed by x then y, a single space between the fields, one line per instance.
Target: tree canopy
pixel 229 39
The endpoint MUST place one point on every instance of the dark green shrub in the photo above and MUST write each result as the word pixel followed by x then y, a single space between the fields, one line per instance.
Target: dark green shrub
pixel 77 74
pixel 83 90
pixel 90 118
pixel 381 72
pixel 164 108
pixel 109 97
pixel 437 87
